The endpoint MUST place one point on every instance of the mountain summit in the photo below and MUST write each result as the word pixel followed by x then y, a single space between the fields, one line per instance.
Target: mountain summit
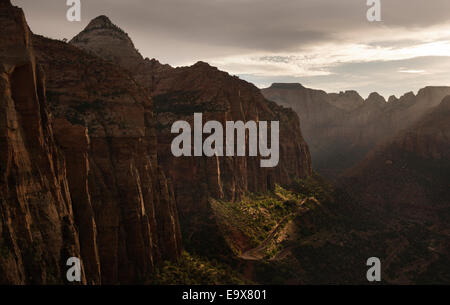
pixel 101 21
pixel 105 39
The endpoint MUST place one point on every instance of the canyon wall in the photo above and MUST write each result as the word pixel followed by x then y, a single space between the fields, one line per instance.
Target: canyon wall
pixel 37 230
pixel 80 175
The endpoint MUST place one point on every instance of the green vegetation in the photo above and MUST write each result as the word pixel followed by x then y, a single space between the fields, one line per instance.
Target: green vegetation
pixel 195 270
pixel 248 222
pixel 313 186
pixel 301 233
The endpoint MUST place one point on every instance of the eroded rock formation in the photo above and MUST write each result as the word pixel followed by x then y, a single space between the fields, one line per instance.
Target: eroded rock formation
pixel 177 94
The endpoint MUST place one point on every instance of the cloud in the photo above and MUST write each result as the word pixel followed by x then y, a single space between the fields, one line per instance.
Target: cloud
pixel 251 24
pixel 316 40
pixel 387 77
pixel 403 70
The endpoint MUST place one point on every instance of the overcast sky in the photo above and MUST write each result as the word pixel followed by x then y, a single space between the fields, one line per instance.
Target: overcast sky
pixel 323 44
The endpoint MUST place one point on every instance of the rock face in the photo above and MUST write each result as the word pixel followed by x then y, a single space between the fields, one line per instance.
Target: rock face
pixel 341 128
pixel 37 230
pixel 180 92
pixel 405 182
pixel 87 183
pixel 132 201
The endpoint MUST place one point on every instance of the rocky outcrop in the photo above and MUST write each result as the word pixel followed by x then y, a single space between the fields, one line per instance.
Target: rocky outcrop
pixel 341 128
pixel 376 99
pixel 177 94
pixel 86 183
pixel 37 229
pixel 348 100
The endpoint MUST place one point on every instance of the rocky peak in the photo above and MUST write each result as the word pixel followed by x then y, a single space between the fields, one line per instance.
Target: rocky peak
pixel 392 99
pixel 409 94
pixel 201 64
pixel 100 22
pixel 102 25
pixel 376 98
pixel 204 66
pixel 106 40
pixel 407 99
pixel 348 100
pixel 351 93
pixel 103 22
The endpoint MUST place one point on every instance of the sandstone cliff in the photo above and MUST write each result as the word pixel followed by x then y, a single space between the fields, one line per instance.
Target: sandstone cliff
pixel 87 183
pixel 132 201
pixel 37 230
pixel 177 94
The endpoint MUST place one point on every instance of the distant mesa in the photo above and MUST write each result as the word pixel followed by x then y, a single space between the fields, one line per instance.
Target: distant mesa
pixel 287 86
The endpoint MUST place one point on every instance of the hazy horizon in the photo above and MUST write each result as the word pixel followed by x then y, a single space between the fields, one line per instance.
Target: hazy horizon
pixel 321 44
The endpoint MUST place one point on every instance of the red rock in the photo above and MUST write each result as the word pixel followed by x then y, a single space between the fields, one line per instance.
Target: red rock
pixel 37 230
pixel 94 190
pixel 177 94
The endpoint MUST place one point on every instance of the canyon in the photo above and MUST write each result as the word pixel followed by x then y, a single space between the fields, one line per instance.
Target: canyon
pixel 341 128
pixel 87 170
